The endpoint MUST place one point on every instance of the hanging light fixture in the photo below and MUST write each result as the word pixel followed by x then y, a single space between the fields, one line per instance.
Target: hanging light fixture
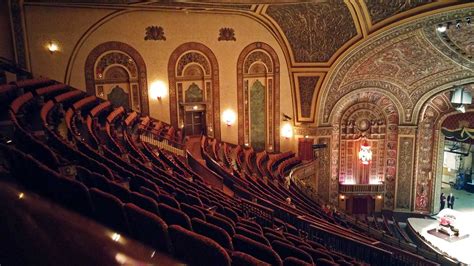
pixel 365 153
pixel 461 96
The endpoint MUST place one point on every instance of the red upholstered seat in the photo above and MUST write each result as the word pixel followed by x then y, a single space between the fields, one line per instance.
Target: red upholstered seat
pixel 196 249
pixel 250 234
pixel 144 202
pixel 214 232
pixel 325 262
pixel 222 223
pixel 244 259
pixel 147 227
pixel 108 210
pixel 192 211
pixel 119 191
pixel 285 251
pixel 297 241
pixel 169 200
pixel 174 216
pixel 317 253
pixel 271 237
pixel 256 249
pixel 73 195
pixel 292 261
pixel 252 228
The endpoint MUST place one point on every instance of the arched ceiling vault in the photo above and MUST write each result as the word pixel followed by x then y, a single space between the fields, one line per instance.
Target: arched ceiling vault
pixel 334 47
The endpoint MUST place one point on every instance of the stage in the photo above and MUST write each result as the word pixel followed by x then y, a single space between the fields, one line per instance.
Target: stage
pixel 461 248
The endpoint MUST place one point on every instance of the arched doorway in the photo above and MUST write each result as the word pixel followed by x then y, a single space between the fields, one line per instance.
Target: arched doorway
pixel 194 90
pixel 116 72
pixel 258 93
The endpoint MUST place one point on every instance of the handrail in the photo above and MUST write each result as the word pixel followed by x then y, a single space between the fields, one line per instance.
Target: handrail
pixel 164 144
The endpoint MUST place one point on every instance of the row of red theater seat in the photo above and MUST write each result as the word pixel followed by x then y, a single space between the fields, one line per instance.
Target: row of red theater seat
pixel 201 217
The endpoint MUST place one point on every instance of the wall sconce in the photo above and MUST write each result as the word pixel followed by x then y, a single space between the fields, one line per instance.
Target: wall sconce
pixel 52 47
pixel 287 131
pixel 229 117
pixel 158 90
pixel 342 197
pixel 379 196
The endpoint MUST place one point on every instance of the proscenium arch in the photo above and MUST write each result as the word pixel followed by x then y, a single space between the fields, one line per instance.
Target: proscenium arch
pixel 180 50
pixel 99 50
pixel 276 89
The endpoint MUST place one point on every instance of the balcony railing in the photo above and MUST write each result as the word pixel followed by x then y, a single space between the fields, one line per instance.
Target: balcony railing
pixel 362 188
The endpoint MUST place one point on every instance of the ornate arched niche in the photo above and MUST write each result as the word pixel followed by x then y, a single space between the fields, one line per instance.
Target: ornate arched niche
pixel 364 116
pixel 258 93
pixel 115 71
pixel 430 149
pixel 194 88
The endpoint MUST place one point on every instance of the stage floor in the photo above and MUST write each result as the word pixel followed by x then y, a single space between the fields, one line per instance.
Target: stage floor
pixel 464 200
pixel 463 249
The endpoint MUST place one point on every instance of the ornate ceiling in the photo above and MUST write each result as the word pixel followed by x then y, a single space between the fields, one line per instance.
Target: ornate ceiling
pixel 336 47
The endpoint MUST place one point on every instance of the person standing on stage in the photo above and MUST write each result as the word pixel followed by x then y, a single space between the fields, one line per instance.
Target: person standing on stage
pixel 442 201
pixel 450 200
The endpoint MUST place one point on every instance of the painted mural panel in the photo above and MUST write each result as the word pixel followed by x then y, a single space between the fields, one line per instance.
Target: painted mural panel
pixel 257 116
pixel 194 94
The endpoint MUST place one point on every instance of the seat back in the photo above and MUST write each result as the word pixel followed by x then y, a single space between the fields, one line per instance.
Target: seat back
pixel 108 210
pixel 147 227
pixel 250 234
pixel 144 202
pixel 192 211
pixel 256 249
pixel 74 195
pixel 168 200
pixel 292 261
pixel 285 251
pixel 221 223
pixel 317 253
pixel 196 249
pixel 119 191
pixel 174 216
pixel 214 232
pixel 244 259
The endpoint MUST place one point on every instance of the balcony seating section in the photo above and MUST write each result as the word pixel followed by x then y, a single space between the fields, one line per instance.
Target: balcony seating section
pixel 153 195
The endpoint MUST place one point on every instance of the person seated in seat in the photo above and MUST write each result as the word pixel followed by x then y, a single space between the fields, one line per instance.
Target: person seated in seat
pixel 289 203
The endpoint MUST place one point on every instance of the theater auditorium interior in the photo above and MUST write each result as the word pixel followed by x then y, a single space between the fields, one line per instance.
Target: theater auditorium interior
pixel 236 132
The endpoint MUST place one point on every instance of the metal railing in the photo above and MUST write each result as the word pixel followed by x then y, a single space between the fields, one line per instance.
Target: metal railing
pixel 163 143
pixel 362 188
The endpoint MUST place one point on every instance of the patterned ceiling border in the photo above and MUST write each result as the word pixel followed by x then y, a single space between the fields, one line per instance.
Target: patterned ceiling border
pixel 337 74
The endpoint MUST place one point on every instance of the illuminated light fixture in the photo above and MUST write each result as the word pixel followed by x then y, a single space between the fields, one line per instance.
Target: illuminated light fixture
pixel 461 96
pixel 158 90
pixel 21 195
pixel 116 237
pixel 365 153
pixel 342 197
pixel 195 107
pixel 52 47
pixel 287 131
pixel 442 28
pixel 228 117
pixel 379 196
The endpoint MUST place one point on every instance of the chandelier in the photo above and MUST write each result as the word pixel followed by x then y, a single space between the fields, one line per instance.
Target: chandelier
pixel 365 153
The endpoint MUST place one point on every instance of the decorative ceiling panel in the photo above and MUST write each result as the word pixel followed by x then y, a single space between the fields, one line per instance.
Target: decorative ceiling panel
pixel 406 62
pixel 380 10
pixel 315 31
